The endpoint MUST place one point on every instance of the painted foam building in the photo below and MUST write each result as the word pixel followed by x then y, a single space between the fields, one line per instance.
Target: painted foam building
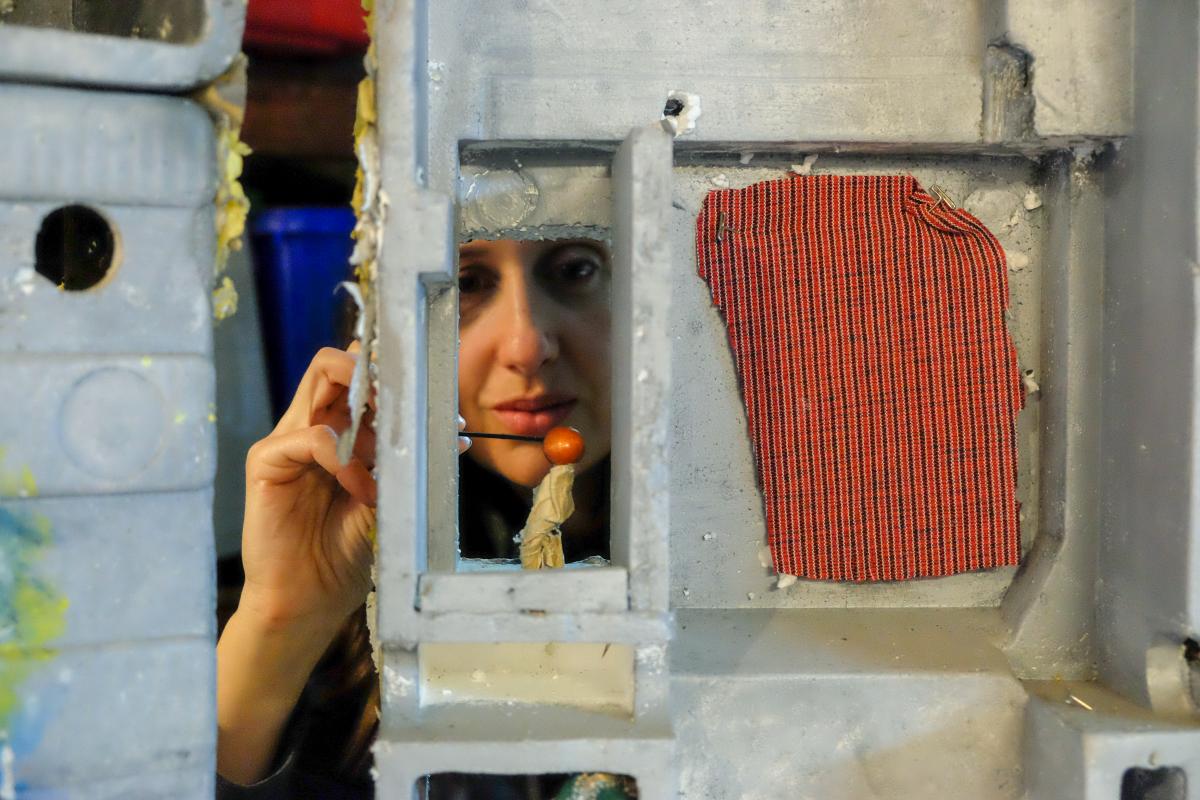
pixel 1069 130
pixel 107 246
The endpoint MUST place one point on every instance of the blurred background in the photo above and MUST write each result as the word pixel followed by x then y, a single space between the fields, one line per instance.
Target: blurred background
pixel 305 62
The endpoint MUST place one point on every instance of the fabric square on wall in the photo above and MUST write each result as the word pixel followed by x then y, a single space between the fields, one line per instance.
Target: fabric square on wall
pixel 866 319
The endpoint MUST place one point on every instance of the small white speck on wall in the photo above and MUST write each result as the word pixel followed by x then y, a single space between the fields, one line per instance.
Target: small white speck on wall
pixel 1032 200
pixel 1017 261
pixel 805 167
pixel 784 581
pixel 8 781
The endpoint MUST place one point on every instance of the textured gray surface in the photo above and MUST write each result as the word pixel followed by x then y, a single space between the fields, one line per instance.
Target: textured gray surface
pixel 147 44
pixel 641 365
pixel 147 165
pixel 109 405
pixel 1082 66
pixel 913 690
pixel 165 535
pixel 120 710
pixel 1149 569
pixel 844 704
pixel 1080 738
pixel 590 590
pixel 184 784
pixel 1050 605
pixel 548 70
pixel 121 148
pixel 111 424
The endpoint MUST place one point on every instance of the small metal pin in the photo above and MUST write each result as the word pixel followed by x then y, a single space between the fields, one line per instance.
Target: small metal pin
pixel 512 436
pixel 1073 699
pixel 942 197
pixel 721 226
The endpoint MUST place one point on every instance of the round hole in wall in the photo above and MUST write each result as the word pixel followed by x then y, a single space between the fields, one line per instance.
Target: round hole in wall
pixel 76 248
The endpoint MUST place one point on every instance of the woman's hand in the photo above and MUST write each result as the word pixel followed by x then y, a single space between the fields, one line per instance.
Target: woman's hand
pixel 308 535
pixel 307 545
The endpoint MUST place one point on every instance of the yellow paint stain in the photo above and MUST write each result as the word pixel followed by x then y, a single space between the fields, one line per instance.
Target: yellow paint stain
pixel 180 418
pixel 34 613
pixel 28 484
pixel 19 483
pixel 40 613
pixel 147 361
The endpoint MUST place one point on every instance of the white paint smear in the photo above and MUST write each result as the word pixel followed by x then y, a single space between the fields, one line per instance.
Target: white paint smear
pixel 805 167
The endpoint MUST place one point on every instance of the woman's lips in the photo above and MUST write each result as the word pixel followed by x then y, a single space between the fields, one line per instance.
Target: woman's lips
pixel 536 421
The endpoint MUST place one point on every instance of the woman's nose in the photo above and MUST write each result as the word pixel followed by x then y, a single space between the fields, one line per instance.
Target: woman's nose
pixel 526 343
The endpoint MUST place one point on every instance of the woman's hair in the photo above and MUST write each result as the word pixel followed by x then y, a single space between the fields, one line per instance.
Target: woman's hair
pixel 344 703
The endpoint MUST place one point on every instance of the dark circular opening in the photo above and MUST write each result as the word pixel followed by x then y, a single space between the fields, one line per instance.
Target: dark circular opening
pixel 1191 650
pixel 75 248
pixel 673 108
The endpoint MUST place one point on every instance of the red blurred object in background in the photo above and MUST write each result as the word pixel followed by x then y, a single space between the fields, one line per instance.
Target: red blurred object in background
pixel 319 27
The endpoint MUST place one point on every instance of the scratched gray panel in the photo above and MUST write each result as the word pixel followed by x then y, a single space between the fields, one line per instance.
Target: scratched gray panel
pixel 545 69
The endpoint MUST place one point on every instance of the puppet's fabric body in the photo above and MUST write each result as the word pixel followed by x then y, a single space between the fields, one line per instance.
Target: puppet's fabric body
pixel 866 320
pixel 541 540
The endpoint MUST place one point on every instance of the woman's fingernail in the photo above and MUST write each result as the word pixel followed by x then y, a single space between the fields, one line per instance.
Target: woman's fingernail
pixel 464 442
pixel 462 423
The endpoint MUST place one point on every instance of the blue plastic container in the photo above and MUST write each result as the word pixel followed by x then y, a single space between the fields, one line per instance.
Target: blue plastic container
pixel 300 256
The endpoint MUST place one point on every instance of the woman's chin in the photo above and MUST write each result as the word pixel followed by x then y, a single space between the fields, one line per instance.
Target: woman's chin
pixel 527 475
pixel 521 469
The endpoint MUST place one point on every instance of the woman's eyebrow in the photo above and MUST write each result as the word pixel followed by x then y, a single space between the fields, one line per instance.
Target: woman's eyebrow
pixel 590 244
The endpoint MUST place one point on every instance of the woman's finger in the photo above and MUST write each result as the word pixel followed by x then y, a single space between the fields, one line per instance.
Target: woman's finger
pixel 464 442
pixel 356 479
pixel 333 381
pixel 327 376
pixel 364 445
pixel 284 457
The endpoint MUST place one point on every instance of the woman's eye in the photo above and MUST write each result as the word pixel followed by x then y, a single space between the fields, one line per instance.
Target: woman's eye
pixel 579 270
pixel 473 281
pixel 572 271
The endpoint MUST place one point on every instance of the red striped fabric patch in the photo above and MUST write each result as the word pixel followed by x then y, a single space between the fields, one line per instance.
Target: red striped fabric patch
pixel 881 387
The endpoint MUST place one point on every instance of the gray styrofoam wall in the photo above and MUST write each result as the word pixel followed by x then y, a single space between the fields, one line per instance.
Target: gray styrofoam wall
pixel 109 409
pixel 162 45
pixel 981 685
pixel 1148 590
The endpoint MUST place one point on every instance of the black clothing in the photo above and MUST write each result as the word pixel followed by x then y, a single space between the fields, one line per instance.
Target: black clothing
pixel 491 512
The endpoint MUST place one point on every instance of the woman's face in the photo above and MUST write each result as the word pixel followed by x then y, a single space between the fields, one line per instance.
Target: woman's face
pixel 534 349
